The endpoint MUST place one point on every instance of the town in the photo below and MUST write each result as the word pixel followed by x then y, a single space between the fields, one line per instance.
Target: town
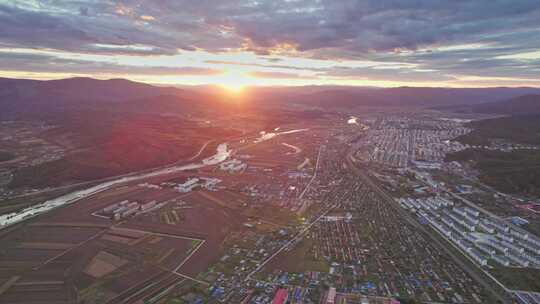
pixel 336 211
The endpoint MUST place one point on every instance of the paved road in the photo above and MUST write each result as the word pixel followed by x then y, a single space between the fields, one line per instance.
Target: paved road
pixel 314 174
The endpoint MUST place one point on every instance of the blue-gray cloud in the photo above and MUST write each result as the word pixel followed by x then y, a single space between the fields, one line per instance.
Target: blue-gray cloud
pixel 408 31
pixel 51 64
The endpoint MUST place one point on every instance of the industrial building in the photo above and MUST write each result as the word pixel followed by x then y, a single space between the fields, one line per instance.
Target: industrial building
pixel 472 211
pixel 486 226
pixel 518 259
pixel 126 209
pixel 479 235
pixel 501 260
pixel 477 256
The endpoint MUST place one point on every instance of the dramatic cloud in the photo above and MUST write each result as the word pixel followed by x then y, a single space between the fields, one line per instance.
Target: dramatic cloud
pixel 435 39
pixel 279 75
pixel 51 64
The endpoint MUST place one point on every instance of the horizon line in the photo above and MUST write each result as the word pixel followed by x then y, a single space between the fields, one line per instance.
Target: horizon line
pixel 180 85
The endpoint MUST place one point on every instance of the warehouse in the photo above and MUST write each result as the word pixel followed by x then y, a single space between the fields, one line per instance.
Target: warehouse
pixel 477 256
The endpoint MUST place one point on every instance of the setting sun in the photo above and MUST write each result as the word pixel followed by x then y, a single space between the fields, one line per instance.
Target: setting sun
pixel 235 81
pixel 233 151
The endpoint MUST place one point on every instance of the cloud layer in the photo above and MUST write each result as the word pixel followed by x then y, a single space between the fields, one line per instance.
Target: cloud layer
pixel 416 40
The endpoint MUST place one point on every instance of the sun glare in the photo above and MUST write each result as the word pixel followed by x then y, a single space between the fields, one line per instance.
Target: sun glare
pixel 235 88
pixel 235 81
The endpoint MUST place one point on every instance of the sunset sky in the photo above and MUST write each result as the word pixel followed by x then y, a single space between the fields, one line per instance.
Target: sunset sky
pixel 294 42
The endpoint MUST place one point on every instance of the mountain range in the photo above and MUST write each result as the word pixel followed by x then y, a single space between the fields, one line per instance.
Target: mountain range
pixel 520 105
pixel 21 96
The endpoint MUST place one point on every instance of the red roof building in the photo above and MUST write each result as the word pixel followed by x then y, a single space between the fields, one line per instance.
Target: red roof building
pixel 331 296
pixel 281 296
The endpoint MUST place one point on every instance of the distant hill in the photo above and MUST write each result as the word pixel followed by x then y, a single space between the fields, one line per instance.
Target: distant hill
pixel 516 172
pixel 22 97
pixel 526 104
pixel 82 88
pixel 521 129
pixel 346 97
pixel 520 105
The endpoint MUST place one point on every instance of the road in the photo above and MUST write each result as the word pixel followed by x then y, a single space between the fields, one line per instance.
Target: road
pixel 201 150
pixel 299 235
pixel 314 174
pixel 473 205
pixel 294 239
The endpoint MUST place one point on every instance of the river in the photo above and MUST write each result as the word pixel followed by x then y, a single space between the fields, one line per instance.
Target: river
pixel 221 155
pixel 11 218
pixel 269 135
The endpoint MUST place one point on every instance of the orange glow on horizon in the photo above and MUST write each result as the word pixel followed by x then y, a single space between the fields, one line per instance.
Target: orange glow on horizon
pixel 235 81
pixel 236 89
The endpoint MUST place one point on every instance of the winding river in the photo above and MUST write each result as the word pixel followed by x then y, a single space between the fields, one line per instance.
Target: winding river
pixel 269 135
pixel 222 154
